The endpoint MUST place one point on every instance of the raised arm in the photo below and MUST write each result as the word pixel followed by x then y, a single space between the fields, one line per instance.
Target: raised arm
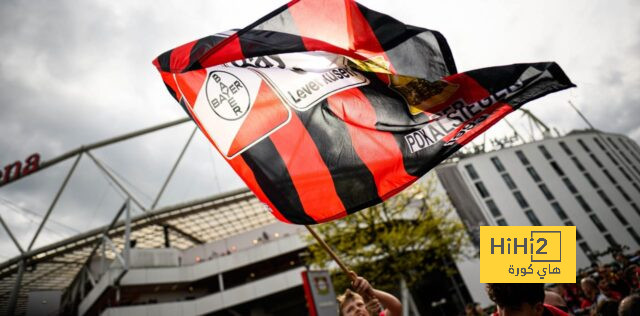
pixel 389 302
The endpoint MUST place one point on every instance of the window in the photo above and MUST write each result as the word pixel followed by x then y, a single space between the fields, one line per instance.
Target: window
pixel 636 169
pixel 624 193
pixel 583 204
pixel 534 174
pixel 522 157
pixel 502 222
pixel 545 152
pixel 624 144
pixel 606 173
pixel 612 143
pixel 593 157
pixel 507 179
pixel 635 186
pixel 497 164
pixel 521 200
pixel 546 192
pixel 634 235
pixel 559 211
pixel 566 148
pixel 533 218
pixel 586 249
pixel 611 158
pixel 472 172
pixel 599 143
pixel 557 168
pixel 625 157
pixel 596 221
pixel 629 150
pixel 619 216
pixel 569 185
pixel 577 163
pixel 592 182
pixel 493 208
pixel 624 172
pixel 584 146
pixel 578 235
pixel 482 190
pixel 611 240
pixel 605 198
pixel 634 206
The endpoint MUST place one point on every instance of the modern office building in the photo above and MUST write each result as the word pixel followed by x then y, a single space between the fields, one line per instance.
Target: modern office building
pixel 586 179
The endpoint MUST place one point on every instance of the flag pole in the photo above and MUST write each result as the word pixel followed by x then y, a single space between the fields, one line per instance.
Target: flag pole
pixel 376 307
pixel 352 275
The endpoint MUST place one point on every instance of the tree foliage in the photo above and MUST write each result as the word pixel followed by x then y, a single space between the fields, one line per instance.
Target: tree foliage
pixel 406 237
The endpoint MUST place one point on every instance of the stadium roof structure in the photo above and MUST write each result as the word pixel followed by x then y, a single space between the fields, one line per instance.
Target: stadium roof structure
pixel 58 266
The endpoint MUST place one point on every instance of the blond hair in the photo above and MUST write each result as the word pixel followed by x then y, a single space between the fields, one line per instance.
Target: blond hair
pixel 346 298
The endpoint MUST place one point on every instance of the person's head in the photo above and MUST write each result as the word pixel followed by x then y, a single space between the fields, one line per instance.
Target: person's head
pixel 589 287
pixel 630 306
pixel 603 286
pixel 470 309
pixel 554 299
pixel 352 304
pixel 622 259
pixel 473 309
pixel 631 275
pixel 607 308
pixel 517 299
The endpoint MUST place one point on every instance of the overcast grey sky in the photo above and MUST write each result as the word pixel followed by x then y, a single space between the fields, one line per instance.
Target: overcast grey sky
pixel 76 72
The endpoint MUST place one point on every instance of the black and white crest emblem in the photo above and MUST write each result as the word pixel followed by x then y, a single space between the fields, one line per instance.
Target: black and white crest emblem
pixel 227 95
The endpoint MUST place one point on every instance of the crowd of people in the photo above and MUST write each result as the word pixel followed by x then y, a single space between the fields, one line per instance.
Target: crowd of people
pixel 602 290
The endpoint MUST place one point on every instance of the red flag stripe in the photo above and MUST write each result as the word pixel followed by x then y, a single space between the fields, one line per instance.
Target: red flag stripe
pixel 168 79
pixel 226 51
pixel 364 39
pixel 190 84
pixel 308 171
pixel 311 18
pixel 180 56
pixel 377 149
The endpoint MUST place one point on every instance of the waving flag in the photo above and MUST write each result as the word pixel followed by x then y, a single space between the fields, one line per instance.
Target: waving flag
pixel 326 107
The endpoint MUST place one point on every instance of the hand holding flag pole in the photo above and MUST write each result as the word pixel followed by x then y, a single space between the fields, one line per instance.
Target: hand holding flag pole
pixel 368 296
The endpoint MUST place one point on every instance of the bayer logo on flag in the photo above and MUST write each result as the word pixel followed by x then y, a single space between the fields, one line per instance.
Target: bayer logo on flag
pixel 237 109
pixel 227 95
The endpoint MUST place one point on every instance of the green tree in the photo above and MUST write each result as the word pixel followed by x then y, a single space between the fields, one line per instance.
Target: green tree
pixel 406 237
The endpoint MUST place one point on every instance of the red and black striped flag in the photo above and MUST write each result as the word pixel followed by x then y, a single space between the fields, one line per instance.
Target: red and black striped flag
pixel 326 107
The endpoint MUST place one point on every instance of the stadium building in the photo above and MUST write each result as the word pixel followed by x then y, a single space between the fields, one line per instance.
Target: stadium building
pixel 224 255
